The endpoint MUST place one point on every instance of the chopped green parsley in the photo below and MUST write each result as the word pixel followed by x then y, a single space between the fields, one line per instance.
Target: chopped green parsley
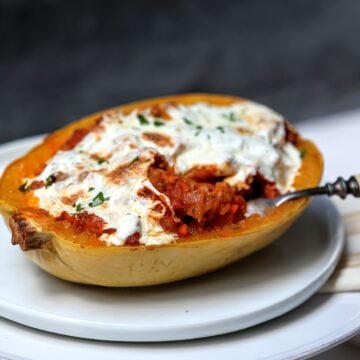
pixel 158 123
pixel 78 207
pixel 231 117
pixel 101 161
pixel 49 181
pixel 198 128
pixel 99 199
pixel 143 120
pixel 187 121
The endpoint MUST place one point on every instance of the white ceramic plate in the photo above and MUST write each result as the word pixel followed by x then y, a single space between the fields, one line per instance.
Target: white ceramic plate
pixel 321 323
pixel 252 291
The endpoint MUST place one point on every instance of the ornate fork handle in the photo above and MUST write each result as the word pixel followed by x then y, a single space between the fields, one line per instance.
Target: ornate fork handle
pixel 340 187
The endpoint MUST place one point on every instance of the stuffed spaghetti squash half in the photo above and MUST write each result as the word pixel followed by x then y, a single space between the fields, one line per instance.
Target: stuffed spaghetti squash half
pixel 156 191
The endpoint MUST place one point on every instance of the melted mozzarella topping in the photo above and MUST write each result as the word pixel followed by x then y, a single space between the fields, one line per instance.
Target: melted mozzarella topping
pixel 109 166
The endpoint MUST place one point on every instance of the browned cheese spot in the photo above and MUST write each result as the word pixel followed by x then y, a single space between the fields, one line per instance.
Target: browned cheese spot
pixel 133 169
pixel 158 139
pixel 243 131
pixel 70 200
pixel 160 112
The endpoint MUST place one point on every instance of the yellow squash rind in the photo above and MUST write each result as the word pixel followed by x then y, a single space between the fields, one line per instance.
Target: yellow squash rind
pixel 68 258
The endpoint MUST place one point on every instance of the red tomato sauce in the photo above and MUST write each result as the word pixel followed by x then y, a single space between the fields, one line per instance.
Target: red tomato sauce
pixel 75 138
pixel 200 200
pixel 86 222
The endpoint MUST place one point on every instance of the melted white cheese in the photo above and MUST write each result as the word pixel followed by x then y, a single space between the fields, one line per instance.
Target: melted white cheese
pixel 245 137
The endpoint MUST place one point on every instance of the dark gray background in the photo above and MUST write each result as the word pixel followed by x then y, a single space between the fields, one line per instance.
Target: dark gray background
pixel 60 59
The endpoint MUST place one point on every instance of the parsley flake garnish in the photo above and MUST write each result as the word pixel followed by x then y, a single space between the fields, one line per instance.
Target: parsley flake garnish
pixel 221 129
pixel 198 128
pixel 231 117
pixel 158 123
pixel 303 153
pixel 24 187
pixel 135 159
pixel 78 207
pixel 101 161
pixel 187 121
pixel 91 189
pixel 99 199
pixel 49 181
pixel 143 120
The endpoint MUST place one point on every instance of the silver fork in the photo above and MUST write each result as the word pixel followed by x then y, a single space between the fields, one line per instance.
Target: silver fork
pixel 340 187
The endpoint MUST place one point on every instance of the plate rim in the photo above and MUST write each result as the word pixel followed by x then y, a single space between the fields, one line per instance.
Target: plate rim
pixel 306 350
pixel 303 351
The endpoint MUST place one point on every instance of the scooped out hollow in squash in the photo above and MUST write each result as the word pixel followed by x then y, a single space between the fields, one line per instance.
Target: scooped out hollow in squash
pixel 187 232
